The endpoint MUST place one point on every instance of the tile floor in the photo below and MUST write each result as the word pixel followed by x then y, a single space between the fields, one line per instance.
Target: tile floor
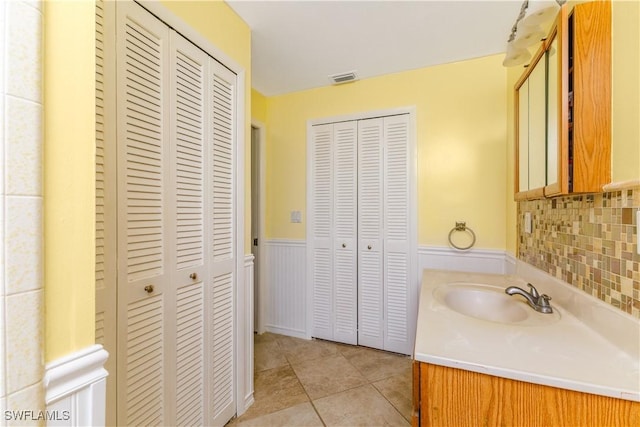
pixel 320 383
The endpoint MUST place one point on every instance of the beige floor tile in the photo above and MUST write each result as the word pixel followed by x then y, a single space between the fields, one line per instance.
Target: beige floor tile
pixel 397 390
pixel 328 375
pixel 265 337
pixel 275 389
pixel 348 350
pixel 376 365
pixel 361 406
pixel 301 415
pixel 297 350
pixel 268 355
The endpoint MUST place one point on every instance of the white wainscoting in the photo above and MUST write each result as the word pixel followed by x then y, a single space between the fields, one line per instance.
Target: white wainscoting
pixel 473 260
pixel 75 388
pixel 284 278
pixel 284 284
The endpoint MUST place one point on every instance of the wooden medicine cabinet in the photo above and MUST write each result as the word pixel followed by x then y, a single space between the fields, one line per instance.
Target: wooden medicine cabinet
pixel 569 151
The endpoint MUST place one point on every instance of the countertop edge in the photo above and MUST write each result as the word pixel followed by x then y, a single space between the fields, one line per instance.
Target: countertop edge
pixel 530 378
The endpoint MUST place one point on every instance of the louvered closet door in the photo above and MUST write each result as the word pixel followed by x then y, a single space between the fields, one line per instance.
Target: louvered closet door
pixel 370 233
pixel 322 258
pixel 397 266
pixel 345 230
pixel 143 246
pixel 186 313
pixel 221 278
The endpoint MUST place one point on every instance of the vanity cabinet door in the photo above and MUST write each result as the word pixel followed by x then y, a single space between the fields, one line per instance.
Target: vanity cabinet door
pixel 584 99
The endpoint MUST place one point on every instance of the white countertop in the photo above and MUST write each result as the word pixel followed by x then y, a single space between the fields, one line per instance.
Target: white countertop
pixel 570 353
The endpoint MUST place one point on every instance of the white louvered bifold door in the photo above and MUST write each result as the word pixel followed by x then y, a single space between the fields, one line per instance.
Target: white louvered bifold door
pixel 362 232
pixel 143 272
pixel 220 347
pixel 398 268
pixel 370 233
pixel 345 232
pixel 186 314
pixel 321 247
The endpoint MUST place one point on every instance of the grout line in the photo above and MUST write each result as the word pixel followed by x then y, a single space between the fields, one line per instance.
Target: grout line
pixel 301 385
pixel 390 402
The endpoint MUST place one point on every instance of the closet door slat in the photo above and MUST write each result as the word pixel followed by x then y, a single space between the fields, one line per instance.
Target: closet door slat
pixel 370 233
pixel 188 323
pixel 321 248
pixel 397 207
pixel 143 226
pixel 221 365
pixel 345 232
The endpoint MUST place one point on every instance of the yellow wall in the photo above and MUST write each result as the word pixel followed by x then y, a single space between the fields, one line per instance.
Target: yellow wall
pixel 258 107
pixel 69 155
pixel 69 176
pixel 625 120
pixel 461 139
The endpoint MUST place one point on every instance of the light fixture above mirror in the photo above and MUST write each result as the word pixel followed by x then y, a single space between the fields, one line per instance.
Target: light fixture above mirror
pixel 526 31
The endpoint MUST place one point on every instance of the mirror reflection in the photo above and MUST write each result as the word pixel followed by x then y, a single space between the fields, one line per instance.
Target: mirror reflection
pixel 553 90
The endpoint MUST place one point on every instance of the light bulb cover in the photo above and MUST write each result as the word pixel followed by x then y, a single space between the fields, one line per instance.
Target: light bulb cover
pixel 515 56
pixel 539 12
pixel 528 36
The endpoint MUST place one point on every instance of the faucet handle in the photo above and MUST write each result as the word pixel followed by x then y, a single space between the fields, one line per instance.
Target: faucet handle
pixel 534 291
pixel 543 304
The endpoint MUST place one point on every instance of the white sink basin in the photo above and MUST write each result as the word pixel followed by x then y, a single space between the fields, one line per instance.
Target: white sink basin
pixel 490 303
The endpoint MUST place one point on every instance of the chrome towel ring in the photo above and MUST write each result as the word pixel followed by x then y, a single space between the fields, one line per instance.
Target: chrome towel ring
pixel 462 226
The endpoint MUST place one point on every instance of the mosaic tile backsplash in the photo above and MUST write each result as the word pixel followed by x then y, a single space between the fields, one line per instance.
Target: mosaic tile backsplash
pixel 589 241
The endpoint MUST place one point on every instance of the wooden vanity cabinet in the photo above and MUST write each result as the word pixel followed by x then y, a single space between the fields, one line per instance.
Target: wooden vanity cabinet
pixel 578 94
pixel 445 396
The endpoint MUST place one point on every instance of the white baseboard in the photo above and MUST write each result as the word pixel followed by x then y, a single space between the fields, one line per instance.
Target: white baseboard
pixel 296 333
pixel 473 260
pixel 75 388
pixel 511 263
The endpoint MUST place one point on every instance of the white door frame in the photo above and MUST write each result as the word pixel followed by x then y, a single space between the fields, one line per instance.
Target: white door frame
pixel 413 205
pixel 259 273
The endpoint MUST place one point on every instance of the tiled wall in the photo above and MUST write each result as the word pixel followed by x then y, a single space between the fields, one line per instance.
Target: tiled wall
pixel 588 241
pixel 21 292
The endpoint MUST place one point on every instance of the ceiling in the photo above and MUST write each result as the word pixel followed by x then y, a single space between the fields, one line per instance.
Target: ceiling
pixel 296 45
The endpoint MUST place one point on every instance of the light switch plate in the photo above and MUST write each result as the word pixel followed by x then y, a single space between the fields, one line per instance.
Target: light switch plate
pixel 296 216
pixel 527 222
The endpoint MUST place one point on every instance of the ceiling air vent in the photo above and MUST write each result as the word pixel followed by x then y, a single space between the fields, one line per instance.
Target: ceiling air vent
pixel 337 79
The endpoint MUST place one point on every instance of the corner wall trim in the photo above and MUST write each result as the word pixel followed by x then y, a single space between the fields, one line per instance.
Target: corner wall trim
pixel 76 384
pixel 245 374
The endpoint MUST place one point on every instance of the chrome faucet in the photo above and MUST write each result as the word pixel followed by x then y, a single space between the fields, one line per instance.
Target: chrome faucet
pixel 538 302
